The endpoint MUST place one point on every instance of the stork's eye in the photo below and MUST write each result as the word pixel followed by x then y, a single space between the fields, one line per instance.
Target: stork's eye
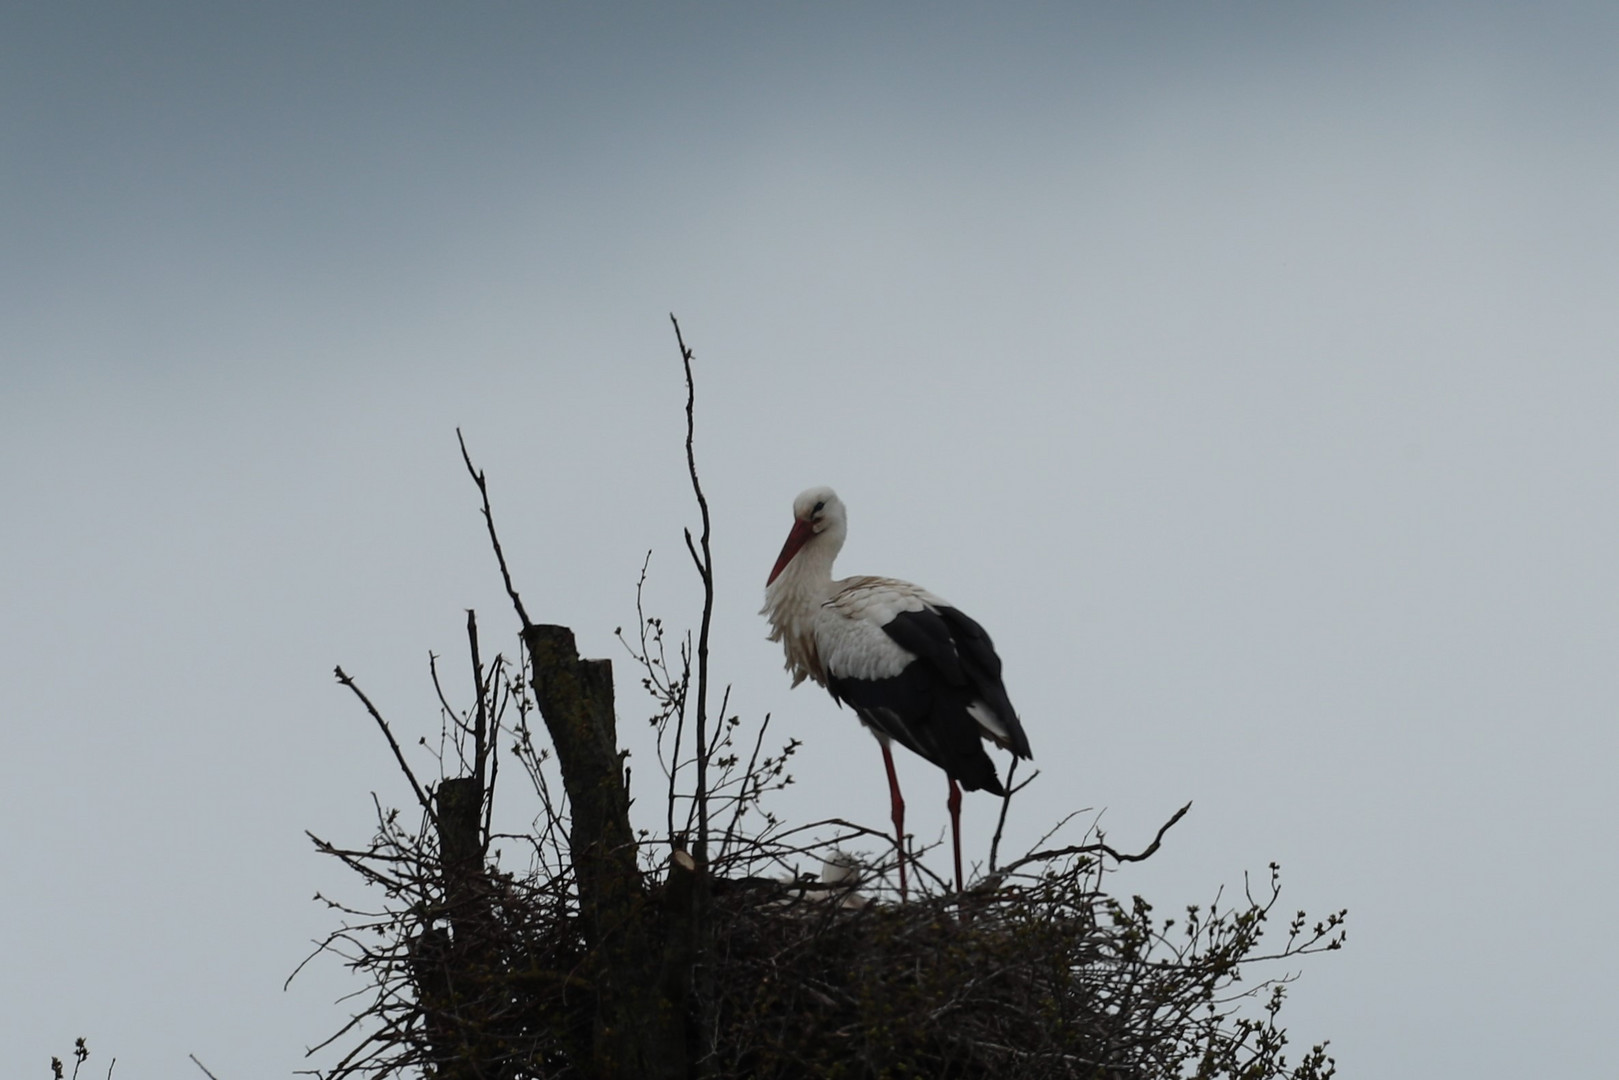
pixel 819 507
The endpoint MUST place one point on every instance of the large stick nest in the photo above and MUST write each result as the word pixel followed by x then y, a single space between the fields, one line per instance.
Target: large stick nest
pixel 1038 975
pixel 1042 977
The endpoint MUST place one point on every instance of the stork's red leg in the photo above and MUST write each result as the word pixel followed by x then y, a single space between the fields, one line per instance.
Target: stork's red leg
pixel 954 803
pixel 897 808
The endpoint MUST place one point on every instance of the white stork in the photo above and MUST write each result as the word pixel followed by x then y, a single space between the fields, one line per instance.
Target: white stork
pixel 914 668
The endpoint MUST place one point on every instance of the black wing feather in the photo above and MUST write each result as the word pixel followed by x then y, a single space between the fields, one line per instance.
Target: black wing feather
pixel 925 707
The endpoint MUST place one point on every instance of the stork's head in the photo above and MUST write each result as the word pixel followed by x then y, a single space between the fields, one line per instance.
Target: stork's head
pixel 818 517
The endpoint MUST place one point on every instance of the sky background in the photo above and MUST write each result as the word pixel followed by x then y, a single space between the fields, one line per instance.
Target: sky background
pixel 1250 371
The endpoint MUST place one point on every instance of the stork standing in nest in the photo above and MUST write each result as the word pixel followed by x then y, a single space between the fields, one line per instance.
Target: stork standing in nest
pixel 914 669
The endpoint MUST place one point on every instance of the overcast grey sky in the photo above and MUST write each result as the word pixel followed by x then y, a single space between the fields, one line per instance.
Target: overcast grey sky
pixel 1249 370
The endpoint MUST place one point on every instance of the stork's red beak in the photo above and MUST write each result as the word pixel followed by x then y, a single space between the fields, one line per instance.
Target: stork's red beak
pixel 802 531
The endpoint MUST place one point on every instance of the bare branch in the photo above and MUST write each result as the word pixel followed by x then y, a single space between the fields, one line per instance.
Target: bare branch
pixel 747 777
pixel 1100 848
pixel 705 569
pixel 494 539
pixel 399 756
pixel 480 730
pixel 1006 804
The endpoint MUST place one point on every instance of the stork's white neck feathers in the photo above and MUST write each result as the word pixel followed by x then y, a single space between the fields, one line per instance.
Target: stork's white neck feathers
pixel 805 583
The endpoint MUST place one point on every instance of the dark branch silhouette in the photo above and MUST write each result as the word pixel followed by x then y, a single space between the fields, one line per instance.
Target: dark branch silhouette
pixel 399 756
pixel 1101 848
pixel 705 570
pixel 494 539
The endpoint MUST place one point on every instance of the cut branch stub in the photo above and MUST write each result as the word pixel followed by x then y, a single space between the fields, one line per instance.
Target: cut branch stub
pixel 638 1031
pixel 576 701
pixel 460 817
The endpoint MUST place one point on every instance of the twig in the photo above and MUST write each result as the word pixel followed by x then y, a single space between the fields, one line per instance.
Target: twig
pixel 1062 822
pixel 1000 822
pixel 201 1066
pixel 719 728
pixel 499 681
pixel 489 520
pixel 680 733
pixel 1100 848
pixel 747 777
pixel 499 665
pixel 705 570
pixel 480 730
pixel 421 796
pixel 1006 803
pixel 450 714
